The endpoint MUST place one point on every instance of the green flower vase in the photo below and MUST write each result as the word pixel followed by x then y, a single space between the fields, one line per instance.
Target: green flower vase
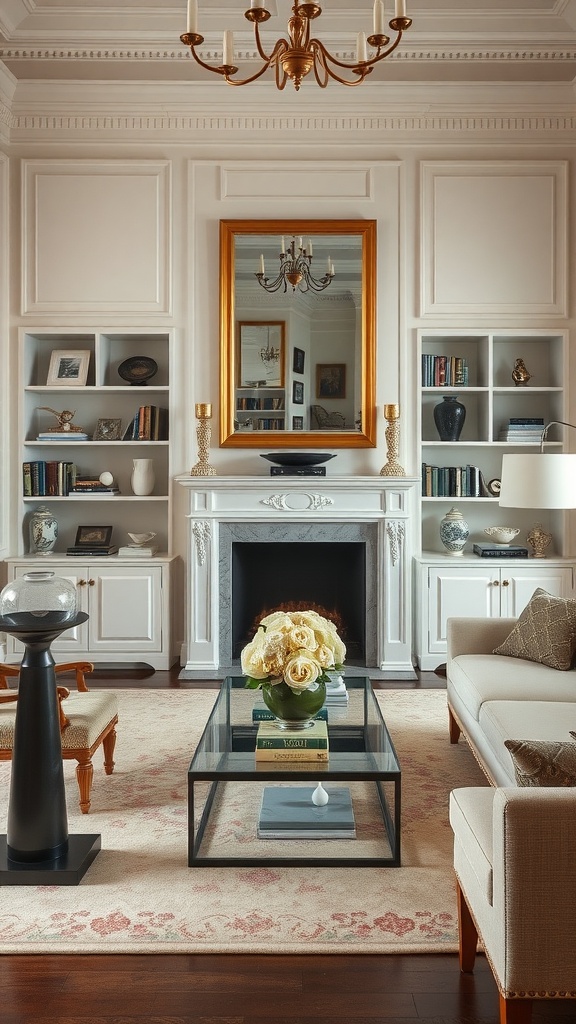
pixel 293 710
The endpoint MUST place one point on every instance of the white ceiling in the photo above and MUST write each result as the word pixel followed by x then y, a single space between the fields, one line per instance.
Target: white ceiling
pixel 490 41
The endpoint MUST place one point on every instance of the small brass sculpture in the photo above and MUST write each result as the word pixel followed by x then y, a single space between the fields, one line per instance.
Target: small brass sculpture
pixel 520 374
pixel 64 420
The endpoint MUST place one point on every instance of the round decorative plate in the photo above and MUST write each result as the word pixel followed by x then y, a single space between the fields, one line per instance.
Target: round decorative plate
pixel 298 458
pixel 138 369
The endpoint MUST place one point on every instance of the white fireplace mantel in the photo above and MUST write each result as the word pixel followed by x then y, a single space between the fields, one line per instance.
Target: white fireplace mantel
pixel 387 502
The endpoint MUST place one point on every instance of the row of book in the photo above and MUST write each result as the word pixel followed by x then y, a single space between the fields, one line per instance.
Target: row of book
pixel 260 403
pixel 523 430
pixel 452 482
pixel 267 423
pixel 47 479
pixel 150 423
pixel 444 371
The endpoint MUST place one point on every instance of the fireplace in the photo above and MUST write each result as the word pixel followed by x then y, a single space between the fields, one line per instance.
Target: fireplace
pixel 340 544
pixel 330 567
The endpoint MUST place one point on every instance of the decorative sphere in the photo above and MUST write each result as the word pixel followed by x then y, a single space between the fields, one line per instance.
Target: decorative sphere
pixel 106 478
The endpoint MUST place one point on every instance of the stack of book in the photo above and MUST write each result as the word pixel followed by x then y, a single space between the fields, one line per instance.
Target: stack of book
pixel 260 713
pixel 336 693
pixel 275 744
pixel 62 435
pixel 523 430
pixel 500 551
pixel 91 487
pixel 87 551
pixel 287 812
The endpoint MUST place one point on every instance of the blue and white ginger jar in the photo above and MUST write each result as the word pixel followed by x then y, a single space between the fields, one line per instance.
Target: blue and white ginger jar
pixel 454 532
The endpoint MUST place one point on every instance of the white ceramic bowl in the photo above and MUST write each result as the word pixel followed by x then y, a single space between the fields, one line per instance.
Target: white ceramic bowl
pixel 141 538
pixel 501 534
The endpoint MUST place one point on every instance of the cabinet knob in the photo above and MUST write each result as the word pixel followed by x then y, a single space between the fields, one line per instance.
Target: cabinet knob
pixel 91 583
pixel 81 583
pixel 505 583
pixel 495 583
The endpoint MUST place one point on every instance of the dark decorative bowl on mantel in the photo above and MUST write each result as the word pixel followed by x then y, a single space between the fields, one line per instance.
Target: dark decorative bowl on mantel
pixel 297 463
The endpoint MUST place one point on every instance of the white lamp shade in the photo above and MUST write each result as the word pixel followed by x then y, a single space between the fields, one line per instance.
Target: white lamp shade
pixel 538 481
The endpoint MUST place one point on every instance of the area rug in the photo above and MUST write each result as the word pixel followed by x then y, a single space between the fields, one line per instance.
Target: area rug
pixel 139 896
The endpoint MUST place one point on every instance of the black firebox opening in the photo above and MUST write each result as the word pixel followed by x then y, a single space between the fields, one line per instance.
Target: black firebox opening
pixel 320 575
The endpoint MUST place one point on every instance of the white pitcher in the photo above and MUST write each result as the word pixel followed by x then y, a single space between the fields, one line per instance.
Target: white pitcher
pixel 142 476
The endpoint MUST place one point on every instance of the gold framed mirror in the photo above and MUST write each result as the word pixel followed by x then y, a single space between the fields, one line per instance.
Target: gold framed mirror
pixel 298 334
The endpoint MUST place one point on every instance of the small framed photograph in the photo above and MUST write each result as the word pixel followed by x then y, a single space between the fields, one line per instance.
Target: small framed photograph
pixel 331 380
pixel 108 430
pixel 298 392
pixel 68 368
pixel 297 423
pixel 93 535
pixel 298 360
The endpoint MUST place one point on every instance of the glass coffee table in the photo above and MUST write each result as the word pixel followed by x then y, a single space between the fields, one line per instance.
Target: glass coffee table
pixel 226 783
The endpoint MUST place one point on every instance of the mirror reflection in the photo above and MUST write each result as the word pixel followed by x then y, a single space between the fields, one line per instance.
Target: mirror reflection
pixel 298 313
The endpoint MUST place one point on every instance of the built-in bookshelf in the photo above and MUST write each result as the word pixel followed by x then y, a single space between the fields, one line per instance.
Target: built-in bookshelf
pixel 113 423
pixel 260 408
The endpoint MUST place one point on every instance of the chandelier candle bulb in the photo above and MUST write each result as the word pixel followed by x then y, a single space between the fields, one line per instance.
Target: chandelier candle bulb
pixel 228 49
pixel 192 17
pixel 262 270
pixel 400 8
pixel 283 246
pixel 257 5
pixel 378 18
pixel 310 250
pixel 361 52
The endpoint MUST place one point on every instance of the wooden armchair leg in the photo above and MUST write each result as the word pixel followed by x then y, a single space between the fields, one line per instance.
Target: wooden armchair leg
pixel 108 744
pixel 467 934
pixel 515 1011
pixel 84 775
pixel 453 728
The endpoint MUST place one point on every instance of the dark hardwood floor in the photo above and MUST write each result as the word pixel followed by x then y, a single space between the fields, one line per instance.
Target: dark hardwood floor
pixel 240 989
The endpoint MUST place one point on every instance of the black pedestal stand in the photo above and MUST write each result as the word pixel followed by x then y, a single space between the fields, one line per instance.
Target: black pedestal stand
pixel 37 849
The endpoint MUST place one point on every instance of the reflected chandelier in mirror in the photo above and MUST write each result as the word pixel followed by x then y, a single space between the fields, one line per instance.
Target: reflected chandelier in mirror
pixel 297 366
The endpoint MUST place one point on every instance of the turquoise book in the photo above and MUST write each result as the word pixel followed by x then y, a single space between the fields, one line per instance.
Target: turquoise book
pixel 260 713
pixel 287 812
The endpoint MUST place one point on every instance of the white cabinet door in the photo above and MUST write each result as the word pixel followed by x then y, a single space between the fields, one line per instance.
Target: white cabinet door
pixel 518 585
pixel 125 609
pixel 467 591
pixel 73 643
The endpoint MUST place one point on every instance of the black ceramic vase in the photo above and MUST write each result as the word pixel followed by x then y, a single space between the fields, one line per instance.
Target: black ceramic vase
pixel 449 418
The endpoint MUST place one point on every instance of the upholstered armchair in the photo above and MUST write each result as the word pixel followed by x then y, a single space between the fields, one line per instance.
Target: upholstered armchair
pixel 514 856
pixel 321 419
pixel 86 721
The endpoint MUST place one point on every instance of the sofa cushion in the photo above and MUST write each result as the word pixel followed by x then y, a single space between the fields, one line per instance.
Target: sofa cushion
pixel 502 720
pixel 543 762
pixel 545 632
pixel 481 677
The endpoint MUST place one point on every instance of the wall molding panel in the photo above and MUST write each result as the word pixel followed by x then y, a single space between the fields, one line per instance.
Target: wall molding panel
pixel 494 238
pixel 83 223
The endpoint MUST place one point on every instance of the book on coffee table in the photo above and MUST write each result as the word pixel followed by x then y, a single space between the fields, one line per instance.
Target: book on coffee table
pixel 287 812
pixel 275 744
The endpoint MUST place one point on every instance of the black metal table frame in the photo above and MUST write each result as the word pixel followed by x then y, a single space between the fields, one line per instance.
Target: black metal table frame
pixel 246 735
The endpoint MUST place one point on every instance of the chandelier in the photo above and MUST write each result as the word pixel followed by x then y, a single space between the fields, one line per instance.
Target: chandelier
pixel 269 355
pixel 296 270
pixel 295 57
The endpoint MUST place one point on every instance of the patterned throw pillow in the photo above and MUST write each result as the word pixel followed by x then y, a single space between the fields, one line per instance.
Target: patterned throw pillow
pixel 543 763
pixel 545 632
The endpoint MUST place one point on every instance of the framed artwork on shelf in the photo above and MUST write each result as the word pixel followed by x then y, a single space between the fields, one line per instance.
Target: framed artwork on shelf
pixel 68 368
pixel 261 354
pixel 298 392
pixel 108 430
pixel 298 360
pixel 93 535
pixel 297 423
pixel 331 380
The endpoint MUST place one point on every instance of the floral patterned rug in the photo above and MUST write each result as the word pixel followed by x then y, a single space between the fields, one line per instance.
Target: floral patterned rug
pixel 140 896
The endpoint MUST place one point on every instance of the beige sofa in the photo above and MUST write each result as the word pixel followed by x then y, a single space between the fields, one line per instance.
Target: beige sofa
pixel 492 698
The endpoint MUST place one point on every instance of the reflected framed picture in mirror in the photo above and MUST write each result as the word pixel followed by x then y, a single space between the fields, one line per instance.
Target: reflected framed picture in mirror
pixel 298 392
pixel 261 355
pixel 298 360
pixel 331 380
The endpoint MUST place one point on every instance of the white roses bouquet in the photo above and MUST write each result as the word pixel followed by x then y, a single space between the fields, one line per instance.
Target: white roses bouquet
pixel 296 648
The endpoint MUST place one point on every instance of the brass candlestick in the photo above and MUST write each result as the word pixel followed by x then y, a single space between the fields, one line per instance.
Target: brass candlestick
pixel 392 467
pixel 203 434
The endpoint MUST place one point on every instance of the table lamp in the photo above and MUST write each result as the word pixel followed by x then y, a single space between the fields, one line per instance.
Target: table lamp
pixel 539 480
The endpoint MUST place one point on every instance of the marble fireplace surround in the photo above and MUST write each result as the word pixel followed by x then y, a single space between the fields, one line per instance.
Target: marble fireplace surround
pixel 378 511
